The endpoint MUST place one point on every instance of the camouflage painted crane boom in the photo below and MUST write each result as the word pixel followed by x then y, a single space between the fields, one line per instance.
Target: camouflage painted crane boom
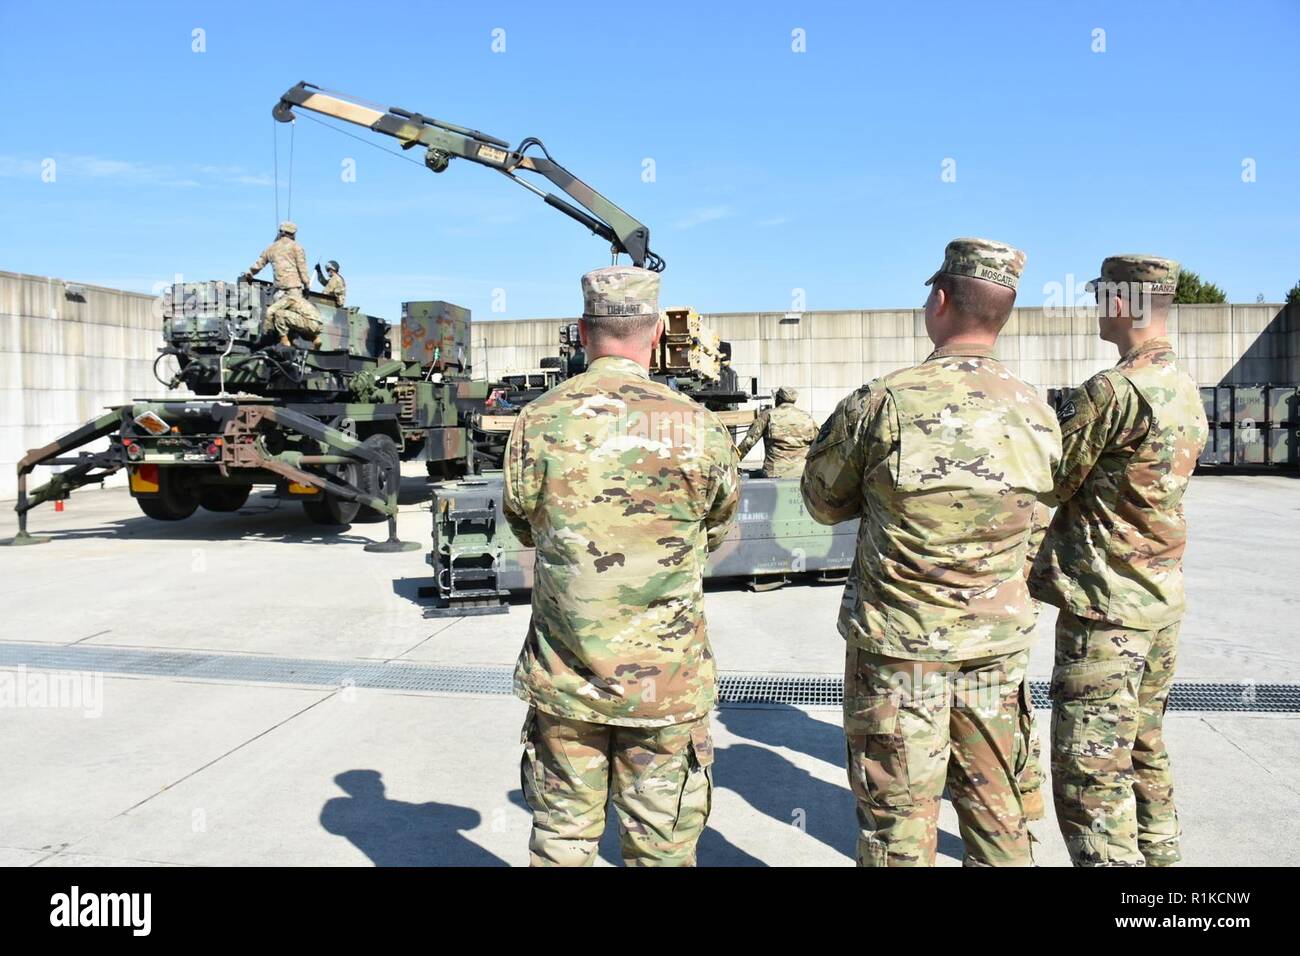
pixel 445 141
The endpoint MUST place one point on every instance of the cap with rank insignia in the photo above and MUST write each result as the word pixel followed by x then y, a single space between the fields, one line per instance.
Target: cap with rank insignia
pixel 982 259
pixel 1157 276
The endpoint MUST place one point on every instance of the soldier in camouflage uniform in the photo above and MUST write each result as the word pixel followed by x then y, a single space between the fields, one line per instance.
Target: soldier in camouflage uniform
pixel 1112 562
pixel 623 486
pixel 290 310
pixel 334 287
pixel 945 464
pixel 786 432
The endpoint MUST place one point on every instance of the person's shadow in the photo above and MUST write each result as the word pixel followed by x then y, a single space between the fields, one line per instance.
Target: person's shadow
pixel 781 725
pixel 394 833
pixel 773 785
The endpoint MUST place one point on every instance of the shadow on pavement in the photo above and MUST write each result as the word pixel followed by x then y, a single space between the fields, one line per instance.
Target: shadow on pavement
pixel 780 725
pixel 413 491
pixel 262 519
pixel 409 589
pixel 773 785
pixel 394 833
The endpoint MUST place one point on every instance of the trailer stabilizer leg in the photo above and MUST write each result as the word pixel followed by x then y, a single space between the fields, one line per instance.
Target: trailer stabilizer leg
pixel 393 544
pixel 22 538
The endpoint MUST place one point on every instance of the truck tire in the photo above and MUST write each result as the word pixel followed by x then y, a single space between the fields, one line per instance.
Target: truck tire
pixel 326 509
pixel 224 498
pixel 375 477
pixel 174 502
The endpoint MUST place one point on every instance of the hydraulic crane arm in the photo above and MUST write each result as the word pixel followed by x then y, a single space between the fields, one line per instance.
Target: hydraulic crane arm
pixel 445 141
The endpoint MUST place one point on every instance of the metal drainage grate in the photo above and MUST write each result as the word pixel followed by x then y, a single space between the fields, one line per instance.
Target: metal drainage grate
pixel 825 691
pixel 793 689
pixel 808 690
pixel 273 670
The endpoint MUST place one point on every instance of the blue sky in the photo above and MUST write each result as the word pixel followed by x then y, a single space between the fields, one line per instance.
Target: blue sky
pixel 775 171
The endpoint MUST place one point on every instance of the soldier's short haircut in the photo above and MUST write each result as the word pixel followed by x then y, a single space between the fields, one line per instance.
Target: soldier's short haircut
pixel 979 301
pixel 1157 306
pixel 622 328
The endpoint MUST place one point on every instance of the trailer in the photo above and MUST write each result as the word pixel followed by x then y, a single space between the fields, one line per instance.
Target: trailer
pixel 329 426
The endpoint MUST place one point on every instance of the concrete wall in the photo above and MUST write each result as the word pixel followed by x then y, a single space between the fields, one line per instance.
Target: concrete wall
pixel 64 356
pixel 828 354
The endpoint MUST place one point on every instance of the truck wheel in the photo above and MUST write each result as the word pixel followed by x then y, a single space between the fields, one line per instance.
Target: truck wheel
pixel 174 502
pixel 325 508
pixel 375 477
pixel 224 498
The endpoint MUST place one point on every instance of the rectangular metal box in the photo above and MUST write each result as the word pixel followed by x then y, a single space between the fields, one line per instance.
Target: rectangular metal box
pixel 436 334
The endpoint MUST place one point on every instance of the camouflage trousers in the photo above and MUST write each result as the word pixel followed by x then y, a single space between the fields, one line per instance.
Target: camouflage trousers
pixel 658 778
pixel 1111 780
pixel 914 727
pixel 293 312
pixel 1029 759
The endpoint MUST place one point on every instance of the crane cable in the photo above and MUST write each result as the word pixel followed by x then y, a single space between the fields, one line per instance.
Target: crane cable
pixel 275 165
pixel 292 130
pixel 360 139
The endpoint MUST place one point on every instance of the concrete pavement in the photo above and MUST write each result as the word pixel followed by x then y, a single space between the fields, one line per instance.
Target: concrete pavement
pixel 177 769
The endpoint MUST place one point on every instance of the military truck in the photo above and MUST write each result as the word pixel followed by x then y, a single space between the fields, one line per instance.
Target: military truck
pixel 690 358
pixel 477 562
pixel 327 426
pixel 475 558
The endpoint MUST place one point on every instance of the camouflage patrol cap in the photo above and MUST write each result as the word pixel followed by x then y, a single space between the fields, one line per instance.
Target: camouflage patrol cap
pixel 618 291
pixel 982 259
pixel 785 394
pixel 1157 276
pixel 288 228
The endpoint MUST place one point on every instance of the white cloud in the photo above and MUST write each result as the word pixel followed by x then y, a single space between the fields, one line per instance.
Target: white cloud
pixel 700 216
pixel 74 167
pixel 772 222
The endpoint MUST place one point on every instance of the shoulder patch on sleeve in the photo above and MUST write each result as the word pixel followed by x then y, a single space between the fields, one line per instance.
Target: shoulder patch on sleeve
pixel 849 414
pixel 1100 388
pixel 839 424
pixel 1086 404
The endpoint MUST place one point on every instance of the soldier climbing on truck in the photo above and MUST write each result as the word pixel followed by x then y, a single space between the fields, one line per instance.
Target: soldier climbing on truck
pixel 290 312
pixel 329 425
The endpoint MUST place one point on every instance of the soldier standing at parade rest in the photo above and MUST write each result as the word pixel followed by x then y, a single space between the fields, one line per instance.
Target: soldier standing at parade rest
pixel 945 464
pixel 290 311
pixel 334 287
pixel 786 431
pixel 623 486
pixel 1112 562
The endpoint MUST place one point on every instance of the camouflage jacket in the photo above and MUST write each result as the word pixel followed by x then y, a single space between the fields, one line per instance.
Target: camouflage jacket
pixel 1114 550
pixel 288 262
pixel 786 431
pixel 947 464
pixel 337 289
pixel 623 486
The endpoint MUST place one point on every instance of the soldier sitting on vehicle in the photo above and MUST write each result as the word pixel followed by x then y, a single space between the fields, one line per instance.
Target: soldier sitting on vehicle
pixel 787 431
pixel 334 287
pixel 290 310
